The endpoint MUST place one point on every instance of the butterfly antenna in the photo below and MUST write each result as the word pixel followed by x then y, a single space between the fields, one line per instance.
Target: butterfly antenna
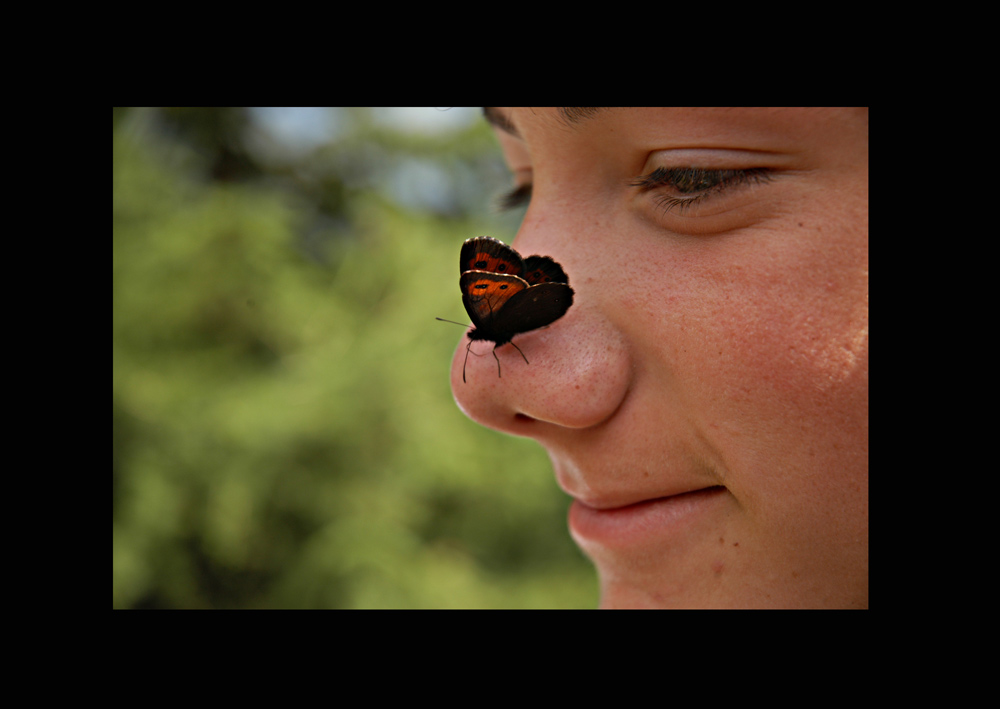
pixel 453 322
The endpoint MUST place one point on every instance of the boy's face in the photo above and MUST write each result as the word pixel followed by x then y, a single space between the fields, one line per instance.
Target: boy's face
pixel 705 399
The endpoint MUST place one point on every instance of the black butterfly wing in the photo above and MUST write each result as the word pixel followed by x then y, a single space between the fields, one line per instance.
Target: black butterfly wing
pixel 484 253
pixel 543 269
pixel 530 309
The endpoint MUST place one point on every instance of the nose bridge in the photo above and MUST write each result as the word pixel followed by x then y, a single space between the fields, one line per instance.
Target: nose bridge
pixel 553 222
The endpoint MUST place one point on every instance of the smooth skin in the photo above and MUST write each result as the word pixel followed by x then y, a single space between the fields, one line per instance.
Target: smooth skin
pixel 718 342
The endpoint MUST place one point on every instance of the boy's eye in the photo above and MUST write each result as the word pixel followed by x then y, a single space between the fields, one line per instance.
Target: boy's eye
pixel 682 187
pixel 679 188
pixel 515 198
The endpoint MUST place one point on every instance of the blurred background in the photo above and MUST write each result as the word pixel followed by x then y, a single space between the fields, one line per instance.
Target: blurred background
pixel 284 434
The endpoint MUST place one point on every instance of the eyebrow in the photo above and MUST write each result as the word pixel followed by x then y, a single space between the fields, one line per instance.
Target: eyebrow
pixel 572 116
pixel 495 117
pixel 575 115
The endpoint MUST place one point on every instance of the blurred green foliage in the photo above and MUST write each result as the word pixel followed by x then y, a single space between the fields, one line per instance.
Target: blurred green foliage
pixel 284 434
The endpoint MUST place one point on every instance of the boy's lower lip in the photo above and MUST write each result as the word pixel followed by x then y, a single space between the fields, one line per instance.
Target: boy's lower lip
pixel 649 519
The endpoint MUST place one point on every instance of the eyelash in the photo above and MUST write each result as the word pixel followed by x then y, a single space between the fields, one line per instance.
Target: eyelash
pixel 707 183
pixel 512 199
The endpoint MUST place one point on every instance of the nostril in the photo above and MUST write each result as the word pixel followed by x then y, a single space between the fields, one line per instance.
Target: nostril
pixel 521 418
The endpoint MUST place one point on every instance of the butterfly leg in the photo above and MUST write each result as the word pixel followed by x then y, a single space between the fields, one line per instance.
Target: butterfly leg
pixel 522 353
pixel 498 361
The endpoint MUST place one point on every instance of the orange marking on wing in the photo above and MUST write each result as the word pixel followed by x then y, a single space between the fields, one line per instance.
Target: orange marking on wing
pixel 494 264
pixel 488 295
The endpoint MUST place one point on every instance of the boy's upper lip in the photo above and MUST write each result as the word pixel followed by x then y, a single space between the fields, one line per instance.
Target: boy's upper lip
pixel 600 483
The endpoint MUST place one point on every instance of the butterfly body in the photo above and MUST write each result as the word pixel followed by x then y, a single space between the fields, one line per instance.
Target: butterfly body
pixel 506 295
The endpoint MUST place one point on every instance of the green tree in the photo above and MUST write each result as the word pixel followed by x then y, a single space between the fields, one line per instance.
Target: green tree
pixel 284 435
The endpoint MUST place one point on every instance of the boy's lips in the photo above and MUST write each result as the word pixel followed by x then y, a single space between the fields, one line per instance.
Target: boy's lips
pixel 604 505
pixel 610 523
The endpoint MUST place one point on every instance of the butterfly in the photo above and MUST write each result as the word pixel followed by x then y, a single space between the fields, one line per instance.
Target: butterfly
pixel 506 295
